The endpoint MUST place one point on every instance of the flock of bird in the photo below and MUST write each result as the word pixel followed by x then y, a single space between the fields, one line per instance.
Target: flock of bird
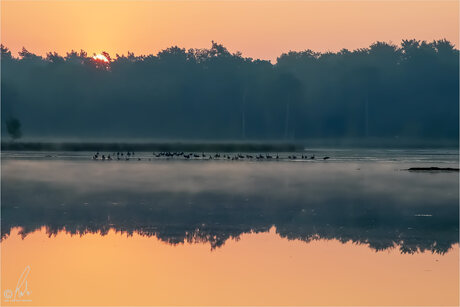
pixel 195 156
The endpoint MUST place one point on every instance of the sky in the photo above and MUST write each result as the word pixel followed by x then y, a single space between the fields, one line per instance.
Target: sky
pixel 259 29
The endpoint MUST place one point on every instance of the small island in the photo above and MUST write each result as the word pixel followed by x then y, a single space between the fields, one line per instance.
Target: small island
pixel 433 169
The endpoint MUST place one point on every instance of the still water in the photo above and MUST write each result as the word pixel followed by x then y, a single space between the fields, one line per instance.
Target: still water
pixel 357 229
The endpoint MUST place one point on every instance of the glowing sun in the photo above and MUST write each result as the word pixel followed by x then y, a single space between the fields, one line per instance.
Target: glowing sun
pixel 100 57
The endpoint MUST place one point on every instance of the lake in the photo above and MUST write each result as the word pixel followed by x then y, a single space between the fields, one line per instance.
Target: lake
pixel 356 229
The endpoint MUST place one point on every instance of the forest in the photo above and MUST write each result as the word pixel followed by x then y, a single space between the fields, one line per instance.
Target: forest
pixel 408 91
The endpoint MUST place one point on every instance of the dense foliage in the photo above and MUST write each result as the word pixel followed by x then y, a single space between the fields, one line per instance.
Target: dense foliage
pixel 387 91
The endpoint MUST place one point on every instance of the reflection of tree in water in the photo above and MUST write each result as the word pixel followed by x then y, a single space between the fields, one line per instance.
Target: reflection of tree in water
pixel 218 219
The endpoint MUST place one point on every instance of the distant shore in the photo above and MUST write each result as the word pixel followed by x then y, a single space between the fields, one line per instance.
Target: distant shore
pixel 220 146
pixel 172 146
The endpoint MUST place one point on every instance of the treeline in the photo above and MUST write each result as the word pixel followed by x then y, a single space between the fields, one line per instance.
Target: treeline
pixel 383 91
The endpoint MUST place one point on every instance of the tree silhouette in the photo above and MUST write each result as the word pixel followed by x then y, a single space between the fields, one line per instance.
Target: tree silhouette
pixel 407 91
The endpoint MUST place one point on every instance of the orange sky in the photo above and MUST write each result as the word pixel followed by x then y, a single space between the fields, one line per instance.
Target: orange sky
pixel 259 269
pixel 260 29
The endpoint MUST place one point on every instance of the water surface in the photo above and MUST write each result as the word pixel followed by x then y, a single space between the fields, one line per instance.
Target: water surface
pixel 357 229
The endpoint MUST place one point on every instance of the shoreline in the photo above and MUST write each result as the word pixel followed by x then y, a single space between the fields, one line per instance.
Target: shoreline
pixel 212 146
pixel 146 147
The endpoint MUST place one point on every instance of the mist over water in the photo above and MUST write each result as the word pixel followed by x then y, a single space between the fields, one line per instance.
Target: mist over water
pixel 369 199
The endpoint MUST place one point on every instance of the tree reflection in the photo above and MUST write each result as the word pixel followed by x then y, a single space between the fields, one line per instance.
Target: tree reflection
pixel 214 202
pixel 379 228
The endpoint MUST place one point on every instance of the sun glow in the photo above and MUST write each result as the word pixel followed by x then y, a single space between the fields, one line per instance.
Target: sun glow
pixel 100 57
